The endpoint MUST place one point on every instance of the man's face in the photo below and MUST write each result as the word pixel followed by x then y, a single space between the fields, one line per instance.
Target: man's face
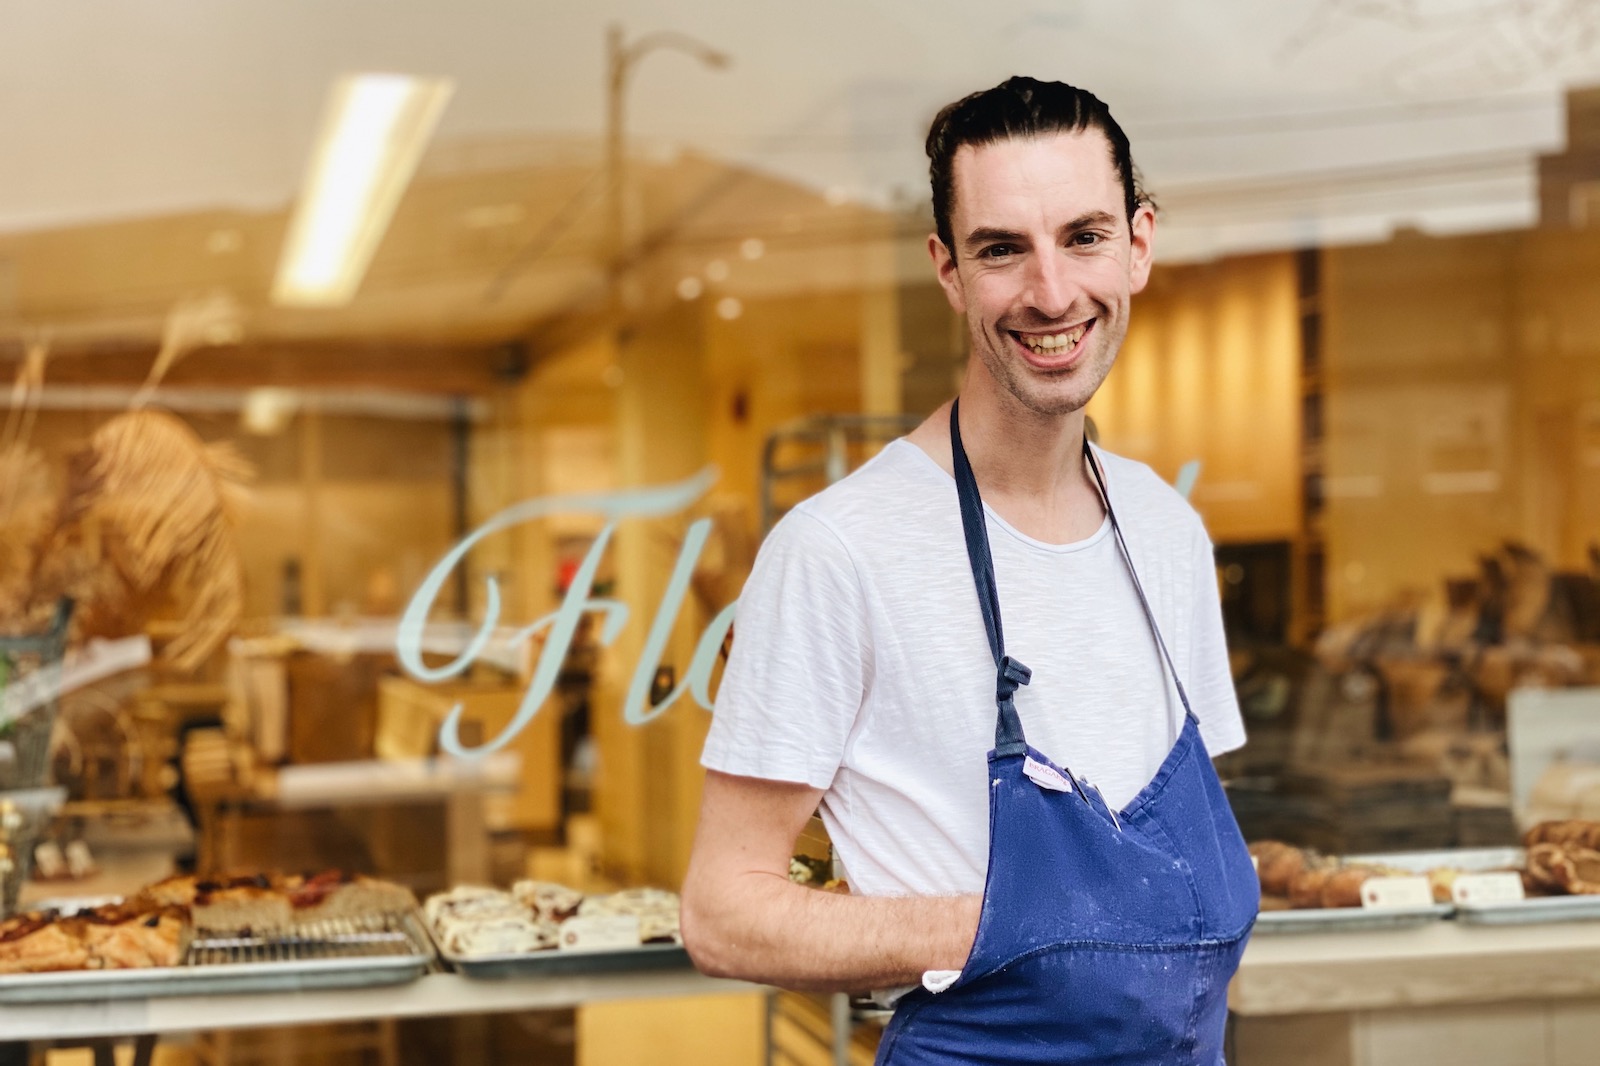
pixel 1045 265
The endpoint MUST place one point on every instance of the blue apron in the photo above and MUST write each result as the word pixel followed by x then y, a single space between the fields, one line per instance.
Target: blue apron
pixel 1106 937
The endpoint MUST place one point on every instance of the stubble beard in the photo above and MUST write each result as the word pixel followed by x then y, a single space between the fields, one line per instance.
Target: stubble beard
pixel 1049 395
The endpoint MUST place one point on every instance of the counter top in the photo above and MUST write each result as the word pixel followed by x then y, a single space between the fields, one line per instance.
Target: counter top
pixel 1441 963
pixel 432 994
pixel 1444 962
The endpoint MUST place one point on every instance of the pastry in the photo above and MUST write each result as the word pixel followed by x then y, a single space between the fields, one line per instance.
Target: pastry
pixel 1585 871
pixel 1342 888
pixel 471 920
pixel 469 900
pixel 1442 881
pixel 1276 865
pixel 40 941
pixel 241 905
pixel 267 904
pixel 1567 869
pixel 549 902
pixel 177 890
pixel 507 935
pixel 1547 870
pixel 1305 887
pixel 333 894
pixel 1558 863
pixel 474 921
pixel 656 910
pixel 806 870
pixel 1572 831
pixel 129 937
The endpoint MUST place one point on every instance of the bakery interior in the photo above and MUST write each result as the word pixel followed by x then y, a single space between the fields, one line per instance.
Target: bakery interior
pixel 297 298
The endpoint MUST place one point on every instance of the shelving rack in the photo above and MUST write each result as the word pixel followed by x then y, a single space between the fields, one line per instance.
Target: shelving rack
pixel 806 456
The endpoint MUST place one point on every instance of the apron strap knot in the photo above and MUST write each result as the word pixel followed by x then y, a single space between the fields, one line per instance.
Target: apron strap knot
pixel 1008 738
pixel 1012 676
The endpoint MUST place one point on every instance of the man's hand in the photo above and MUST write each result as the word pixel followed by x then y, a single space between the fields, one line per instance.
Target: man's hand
pixel 744 918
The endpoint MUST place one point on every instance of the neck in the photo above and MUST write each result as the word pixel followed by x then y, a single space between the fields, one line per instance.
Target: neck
pixel 1021 453
pixel 1029 466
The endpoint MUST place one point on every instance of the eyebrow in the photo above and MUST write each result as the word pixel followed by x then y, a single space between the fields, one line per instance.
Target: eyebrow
pixel 990 235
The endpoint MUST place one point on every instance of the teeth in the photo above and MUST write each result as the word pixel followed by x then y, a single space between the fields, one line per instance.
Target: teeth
pixel 1051 344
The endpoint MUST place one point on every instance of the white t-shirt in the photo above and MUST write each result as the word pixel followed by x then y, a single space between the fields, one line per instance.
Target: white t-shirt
pixel 860 664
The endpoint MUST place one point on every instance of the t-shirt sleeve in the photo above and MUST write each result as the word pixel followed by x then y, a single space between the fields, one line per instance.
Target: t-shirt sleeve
pixel 800 661
pixel 1211 691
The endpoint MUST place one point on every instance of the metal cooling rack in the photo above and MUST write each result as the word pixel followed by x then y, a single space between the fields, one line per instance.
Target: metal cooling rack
pixel 335 953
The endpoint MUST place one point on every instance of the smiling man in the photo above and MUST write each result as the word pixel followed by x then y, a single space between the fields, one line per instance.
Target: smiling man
pixel 1044 866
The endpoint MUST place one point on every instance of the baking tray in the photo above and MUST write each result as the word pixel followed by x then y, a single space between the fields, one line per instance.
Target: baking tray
pixel 1354 919
pixel 553 963
pixel 388 950
pixel 1532 910
pixel 1347 919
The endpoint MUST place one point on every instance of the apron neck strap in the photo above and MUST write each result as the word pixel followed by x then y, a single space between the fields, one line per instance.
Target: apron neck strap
pixel 1133 572
pixel 1009 674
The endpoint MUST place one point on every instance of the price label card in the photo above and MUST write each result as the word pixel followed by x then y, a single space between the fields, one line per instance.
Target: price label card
pixel 1390 893
pixel 1499 887
pixel 601 932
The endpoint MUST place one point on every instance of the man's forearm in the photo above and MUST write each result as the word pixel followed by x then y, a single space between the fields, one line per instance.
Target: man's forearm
pixel 766 928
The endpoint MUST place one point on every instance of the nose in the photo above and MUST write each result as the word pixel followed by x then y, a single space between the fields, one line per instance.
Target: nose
pixel 1051 286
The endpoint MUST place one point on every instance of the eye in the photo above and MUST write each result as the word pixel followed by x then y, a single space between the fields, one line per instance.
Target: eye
pixel 997 251
pixel 1087 238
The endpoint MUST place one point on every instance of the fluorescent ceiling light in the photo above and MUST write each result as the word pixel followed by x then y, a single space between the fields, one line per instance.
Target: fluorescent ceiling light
pixel 373 133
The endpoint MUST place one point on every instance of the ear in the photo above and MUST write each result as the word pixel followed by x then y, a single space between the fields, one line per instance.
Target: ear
pixel 1142 248
pixel 944 265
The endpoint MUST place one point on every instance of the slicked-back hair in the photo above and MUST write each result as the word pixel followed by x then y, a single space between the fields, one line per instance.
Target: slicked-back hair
pixel 1020 107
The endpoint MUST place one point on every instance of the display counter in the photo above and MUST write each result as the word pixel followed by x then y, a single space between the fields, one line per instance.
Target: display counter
pixel 434 994
pixel 1443 992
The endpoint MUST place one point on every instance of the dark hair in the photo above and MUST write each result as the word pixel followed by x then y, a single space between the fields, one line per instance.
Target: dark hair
pixel 1020 107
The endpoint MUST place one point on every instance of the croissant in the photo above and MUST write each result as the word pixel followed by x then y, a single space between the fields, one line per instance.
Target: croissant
pixel 1276 865
pixel 1568 832
pixel 1305 887
pixel 1343 887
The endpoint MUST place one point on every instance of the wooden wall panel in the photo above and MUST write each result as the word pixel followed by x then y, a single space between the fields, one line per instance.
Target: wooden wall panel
pixel 783 359
pixel 1463 407
pixel 725 1030
pixel 1210 371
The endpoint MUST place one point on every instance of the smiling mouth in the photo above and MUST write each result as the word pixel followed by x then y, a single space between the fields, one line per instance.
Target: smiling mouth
pixel 1053 349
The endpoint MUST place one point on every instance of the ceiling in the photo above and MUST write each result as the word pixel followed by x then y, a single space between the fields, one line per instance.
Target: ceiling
pixel 153 147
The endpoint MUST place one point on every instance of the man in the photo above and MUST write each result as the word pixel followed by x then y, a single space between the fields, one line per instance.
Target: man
pixel 1082 895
